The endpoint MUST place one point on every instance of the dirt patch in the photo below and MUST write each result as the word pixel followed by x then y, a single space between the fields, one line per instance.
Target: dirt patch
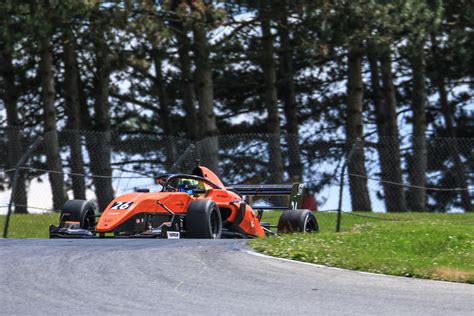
pixel 451 274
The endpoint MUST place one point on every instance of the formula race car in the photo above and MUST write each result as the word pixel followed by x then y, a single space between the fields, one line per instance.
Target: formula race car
pixel 193 205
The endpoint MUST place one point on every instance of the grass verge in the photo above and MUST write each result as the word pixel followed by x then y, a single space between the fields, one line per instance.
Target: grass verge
pixel 434 246
pixel 29 225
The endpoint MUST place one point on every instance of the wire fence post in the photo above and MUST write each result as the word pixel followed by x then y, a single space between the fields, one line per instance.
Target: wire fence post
pixel 341 185
pixel 25 156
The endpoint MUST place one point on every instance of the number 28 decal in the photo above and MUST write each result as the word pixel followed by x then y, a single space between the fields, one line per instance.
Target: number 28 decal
pixel 121 205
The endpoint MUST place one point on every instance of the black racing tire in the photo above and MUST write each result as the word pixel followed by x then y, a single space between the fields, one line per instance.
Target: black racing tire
pixel 298 221
pixel 81 211
pixel 203 220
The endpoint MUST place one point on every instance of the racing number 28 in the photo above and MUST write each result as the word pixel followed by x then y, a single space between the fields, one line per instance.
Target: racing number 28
pixel 121 205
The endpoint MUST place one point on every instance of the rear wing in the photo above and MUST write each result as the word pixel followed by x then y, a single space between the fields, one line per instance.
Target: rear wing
pixel 295 192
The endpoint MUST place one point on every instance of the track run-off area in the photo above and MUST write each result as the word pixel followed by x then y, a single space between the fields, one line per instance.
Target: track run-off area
pixel 201 277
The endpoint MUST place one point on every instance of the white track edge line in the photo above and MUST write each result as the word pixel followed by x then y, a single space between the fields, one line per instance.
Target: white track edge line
pixel 258 254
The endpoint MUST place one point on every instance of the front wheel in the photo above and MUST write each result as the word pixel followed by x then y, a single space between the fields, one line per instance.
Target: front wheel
pixel 81 211
pixel 203 220
pixel 298 221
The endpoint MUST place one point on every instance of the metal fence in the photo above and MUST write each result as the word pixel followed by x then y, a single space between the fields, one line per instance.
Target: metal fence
pixel 380 178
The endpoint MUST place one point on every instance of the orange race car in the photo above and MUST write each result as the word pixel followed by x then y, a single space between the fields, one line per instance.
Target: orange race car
pixel 196 205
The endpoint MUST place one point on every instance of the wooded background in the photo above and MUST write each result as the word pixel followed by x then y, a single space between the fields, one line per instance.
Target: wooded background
pixel 316 77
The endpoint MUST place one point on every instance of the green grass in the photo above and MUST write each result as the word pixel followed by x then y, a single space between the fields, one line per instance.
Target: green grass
pixel 424 245
pixel 29 225
pixel 327 220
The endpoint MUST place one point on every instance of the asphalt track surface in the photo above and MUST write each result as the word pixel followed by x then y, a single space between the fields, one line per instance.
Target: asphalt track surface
pixel 201 277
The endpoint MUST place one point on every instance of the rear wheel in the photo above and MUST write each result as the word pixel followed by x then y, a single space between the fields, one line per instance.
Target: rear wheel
pixel 298 221
pixel 203 220
pixel 81 211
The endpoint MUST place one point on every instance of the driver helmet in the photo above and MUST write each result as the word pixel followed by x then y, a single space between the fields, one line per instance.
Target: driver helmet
pixel 187 185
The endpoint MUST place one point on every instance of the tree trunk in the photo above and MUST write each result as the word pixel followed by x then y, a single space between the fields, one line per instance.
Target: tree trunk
pixel 354 133
pixel 15 149
pixel 387 130
pixel 287 93
pixel 208 146
pixel 189 98
pixel 160 90
pixel 271 100
pixel 49 120
pixel 187 82
pixel 418 161
pixel 448 115
pixel 461 181
pixel 72 102
pixel 99 142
